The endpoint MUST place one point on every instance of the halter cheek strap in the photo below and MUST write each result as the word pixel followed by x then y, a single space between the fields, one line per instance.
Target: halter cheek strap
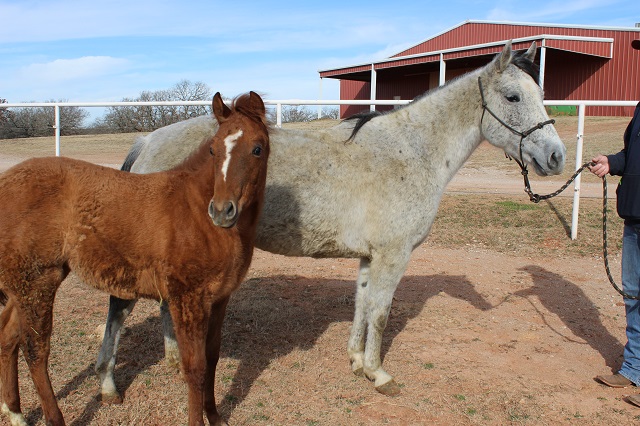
pixel 523 167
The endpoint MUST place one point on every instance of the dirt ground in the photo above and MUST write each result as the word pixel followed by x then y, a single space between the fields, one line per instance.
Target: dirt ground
pixel 476 335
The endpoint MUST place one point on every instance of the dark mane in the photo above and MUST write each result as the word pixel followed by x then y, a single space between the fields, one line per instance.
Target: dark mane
pixel 362 119
pixel 366 116
pixel 521 61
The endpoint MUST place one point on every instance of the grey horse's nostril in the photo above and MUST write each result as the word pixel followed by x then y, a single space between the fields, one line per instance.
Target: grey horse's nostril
pixel 556 159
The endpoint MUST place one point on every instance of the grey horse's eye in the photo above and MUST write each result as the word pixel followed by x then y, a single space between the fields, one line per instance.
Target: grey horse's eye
pixel 513 98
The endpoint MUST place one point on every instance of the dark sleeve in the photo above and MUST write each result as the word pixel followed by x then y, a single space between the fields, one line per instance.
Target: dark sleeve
pixel 618 161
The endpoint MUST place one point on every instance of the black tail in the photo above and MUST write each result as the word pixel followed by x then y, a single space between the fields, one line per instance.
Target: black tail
pixel 133 154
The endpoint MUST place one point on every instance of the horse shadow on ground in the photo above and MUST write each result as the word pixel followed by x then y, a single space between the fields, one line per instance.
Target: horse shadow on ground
pixel 569 302
pixel 268 318
pixel 273 316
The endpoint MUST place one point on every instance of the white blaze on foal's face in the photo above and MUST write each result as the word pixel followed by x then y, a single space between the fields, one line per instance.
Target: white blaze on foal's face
pixel 229 143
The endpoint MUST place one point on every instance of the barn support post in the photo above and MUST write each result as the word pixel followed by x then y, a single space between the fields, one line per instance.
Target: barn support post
pixel 443 71
pixel 576 183
pixel 56 127
pixel 543 61
pixel 374 83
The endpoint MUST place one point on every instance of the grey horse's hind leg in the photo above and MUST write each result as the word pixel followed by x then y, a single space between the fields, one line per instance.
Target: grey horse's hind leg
pixel 385 271
pixel 171 351
pixel 119 310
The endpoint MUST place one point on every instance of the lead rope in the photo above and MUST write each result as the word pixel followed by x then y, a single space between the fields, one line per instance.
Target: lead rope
pixel 605 253
pixel 536 198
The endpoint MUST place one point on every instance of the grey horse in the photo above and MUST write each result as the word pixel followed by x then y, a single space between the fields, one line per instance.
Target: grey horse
pixel 370 190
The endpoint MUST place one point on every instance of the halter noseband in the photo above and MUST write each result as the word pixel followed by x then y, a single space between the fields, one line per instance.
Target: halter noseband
pixel 523 167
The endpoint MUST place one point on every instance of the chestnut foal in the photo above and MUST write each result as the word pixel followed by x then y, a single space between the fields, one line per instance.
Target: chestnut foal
pixel 184 236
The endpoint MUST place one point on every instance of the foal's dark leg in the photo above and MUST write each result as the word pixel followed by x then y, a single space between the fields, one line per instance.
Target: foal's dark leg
pixel 9 346
pixel 171 351
pixel 214 337
pixel 119 310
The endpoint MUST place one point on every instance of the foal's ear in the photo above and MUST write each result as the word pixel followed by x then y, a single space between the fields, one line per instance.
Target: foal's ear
pixel 504 58
pixel 255 103
pixel 220 110
pixel 531 52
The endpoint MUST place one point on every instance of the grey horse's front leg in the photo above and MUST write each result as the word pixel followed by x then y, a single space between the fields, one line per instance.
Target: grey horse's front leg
pixel 171 351
pixel 384 274
pixel 119 310
pixel 355 347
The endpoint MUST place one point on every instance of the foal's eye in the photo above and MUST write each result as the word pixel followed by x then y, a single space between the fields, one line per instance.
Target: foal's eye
pixel 257 151
pixel 513 98
pixel 211 150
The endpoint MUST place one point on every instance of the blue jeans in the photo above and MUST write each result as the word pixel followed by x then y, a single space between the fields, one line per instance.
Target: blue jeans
pixel 631 285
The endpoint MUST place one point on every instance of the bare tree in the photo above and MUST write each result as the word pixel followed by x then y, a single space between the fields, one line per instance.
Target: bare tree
pixel 3 112
pixel 39 121
pixel 331 113
pixel 297 113
pixel 149 118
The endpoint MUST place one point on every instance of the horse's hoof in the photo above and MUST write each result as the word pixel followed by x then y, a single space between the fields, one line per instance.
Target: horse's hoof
pixel 359 372
pixel 16 419
pixel 114 399
pixel 390 388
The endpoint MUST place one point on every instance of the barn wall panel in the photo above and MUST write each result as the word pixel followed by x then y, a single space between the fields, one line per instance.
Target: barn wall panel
pixel 354 90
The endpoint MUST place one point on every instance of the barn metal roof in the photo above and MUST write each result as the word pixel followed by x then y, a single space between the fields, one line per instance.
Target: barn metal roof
pixel 586 45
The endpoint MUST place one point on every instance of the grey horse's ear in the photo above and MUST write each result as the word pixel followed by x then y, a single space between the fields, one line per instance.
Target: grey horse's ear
pixel 220 110
pixel 504 58
pixel 531 52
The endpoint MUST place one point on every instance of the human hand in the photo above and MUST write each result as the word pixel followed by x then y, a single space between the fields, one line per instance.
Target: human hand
pixel 601 166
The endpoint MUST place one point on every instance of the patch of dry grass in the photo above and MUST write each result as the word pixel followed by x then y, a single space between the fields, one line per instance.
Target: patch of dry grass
pixel 514 225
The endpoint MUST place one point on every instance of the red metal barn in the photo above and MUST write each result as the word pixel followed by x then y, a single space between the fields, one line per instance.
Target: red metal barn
pixel 576 63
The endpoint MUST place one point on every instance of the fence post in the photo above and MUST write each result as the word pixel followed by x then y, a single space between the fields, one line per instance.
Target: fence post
pixel 320 97
pixel 56 126
pixel 576 183
pixel 278 115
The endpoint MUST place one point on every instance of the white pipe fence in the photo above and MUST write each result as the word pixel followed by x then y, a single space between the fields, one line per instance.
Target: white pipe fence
pixel 278 104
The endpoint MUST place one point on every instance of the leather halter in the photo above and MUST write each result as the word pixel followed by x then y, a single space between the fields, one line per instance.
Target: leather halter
pixel 523 166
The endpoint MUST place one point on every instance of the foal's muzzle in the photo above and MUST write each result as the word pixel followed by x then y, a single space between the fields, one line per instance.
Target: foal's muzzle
pixel 224 217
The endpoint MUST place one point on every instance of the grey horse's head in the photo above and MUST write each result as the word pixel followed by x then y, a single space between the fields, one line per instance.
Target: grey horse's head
pixel 514 117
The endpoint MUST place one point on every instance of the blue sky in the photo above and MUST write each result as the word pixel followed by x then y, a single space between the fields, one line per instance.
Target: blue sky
pixel 108 50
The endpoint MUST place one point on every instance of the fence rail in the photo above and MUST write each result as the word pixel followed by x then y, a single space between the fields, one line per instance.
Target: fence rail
pixel 581 105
